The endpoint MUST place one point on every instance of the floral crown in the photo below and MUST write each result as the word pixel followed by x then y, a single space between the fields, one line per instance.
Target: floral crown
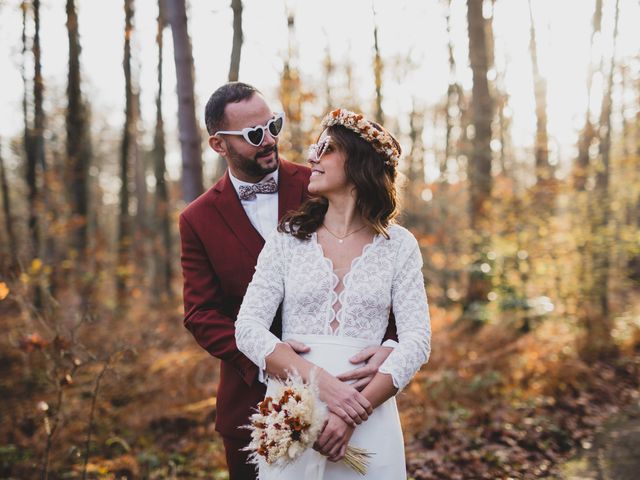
pixel 381 140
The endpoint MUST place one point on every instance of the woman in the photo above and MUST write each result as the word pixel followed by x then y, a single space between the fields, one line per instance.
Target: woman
pixel 338 266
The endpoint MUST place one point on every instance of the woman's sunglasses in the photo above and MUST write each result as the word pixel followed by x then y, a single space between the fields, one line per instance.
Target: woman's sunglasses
pixel 255 135
pixel 316 150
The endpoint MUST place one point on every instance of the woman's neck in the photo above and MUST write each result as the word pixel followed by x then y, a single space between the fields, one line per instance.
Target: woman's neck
pixel 342 216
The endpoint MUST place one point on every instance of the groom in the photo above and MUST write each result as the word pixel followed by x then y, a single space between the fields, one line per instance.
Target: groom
pixel 222 233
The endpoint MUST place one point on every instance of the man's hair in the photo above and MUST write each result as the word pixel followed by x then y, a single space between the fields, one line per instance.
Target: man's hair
pixel 231 92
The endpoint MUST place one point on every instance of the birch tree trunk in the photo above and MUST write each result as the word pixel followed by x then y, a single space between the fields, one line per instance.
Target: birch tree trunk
pixel 189 133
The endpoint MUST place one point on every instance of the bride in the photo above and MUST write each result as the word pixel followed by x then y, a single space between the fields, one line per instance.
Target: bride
pixel 338 266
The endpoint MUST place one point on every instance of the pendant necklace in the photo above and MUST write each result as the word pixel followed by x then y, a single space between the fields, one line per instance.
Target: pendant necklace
pixel 341 239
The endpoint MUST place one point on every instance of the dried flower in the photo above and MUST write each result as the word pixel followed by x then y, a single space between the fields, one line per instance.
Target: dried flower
pixel 381 140
pixel 289 422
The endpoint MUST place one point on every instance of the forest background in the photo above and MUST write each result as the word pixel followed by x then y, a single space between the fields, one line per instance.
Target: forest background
pixel 520 124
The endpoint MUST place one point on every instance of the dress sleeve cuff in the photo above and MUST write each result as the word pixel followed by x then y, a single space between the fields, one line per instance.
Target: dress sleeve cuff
pixel 396 383
pixel 262 368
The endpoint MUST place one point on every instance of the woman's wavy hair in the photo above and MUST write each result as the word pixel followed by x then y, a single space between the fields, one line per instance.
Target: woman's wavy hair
pixel 374 181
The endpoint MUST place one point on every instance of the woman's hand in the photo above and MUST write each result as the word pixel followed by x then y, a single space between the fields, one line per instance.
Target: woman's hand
pixel 334 438
pixel 343 400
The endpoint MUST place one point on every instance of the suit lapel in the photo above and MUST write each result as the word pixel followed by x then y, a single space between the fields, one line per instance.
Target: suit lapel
pixel 290 188
pixel 236 218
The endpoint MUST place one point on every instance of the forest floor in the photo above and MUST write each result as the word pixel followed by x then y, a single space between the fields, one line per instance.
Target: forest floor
pixel 494 403
pixel 614 455
pixel 518 407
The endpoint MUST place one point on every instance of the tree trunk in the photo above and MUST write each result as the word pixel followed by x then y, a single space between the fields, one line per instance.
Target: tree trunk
pixel 189 132
pixel 30 153
pixel 78 139
pixel 140 173
pixel 236 50
pixel 8 218
pixel 124 221
pixel 543 168
pixel 479 164
pixel 34 146
pixel 352 100
pixel 455 100
pixel 291 96
pixel 44 202
pixel 588 134
pixel 597 319
pixel 328 74
pixel 504 127
pixel 163 269
pixel 38 90
pixel 415 167
pixel 377 73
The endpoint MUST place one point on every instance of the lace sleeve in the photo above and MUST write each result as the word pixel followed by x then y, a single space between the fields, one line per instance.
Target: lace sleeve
pixel 411 310
pixel 260 303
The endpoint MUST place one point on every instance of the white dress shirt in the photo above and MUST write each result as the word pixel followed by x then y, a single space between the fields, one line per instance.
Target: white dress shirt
pixel 262 210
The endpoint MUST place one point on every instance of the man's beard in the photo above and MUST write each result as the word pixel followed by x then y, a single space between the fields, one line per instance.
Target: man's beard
pixel 250 166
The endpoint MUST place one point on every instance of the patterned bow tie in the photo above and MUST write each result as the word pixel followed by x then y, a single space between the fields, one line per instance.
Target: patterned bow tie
pixel 249 192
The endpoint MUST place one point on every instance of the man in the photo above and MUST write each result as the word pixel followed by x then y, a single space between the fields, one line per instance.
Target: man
pixel 222 233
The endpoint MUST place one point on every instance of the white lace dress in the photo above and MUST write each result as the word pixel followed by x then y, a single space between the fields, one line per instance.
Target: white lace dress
pixel 387 275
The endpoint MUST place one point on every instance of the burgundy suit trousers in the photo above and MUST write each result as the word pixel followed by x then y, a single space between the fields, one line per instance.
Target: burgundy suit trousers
pixel 237 464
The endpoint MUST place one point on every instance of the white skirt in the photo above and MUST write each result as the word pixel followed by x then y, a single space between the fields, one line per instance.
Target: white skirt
pixel 381 434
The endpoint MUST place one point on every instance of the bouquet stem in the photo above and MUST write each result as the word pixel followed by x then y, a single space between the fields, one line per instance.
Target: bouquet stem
pixel 357 459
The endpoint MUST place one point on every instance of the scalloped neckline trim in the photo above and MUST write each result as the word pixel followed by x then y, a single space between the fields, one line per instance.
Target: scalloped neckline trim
pixel 335 280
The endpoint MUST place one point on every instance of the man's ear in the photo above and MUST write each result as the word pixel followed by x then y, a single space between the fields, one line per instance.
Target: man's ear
pixel 218 145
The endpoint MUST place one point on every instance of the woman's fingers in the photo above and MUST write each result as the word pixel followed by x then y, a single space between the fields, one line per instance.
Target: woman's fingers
pixel 356 413
pixel 362 400
pixel 340 455
pixel 362 406
pixel 332 446
pixel 327 441
pixel 333 452
pixel 346 418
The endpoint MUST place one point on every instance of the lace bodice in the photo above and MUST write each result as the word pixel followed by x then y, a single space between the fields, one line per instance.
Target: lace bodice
pixel 387 275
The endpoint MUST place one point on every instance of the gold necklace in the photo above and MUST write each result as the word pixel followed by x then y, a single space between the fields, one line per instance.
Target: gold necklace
pixel 341 239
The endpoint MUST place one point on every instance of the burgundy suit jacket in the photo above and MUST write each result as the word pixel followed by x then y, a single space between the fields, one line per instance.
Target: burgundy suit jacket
pixel 220 249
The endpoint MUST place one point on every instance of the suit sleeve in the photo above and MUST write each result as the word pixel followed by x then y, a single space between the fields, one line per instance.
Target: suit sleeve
pixel 203 300
pixel 391 334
